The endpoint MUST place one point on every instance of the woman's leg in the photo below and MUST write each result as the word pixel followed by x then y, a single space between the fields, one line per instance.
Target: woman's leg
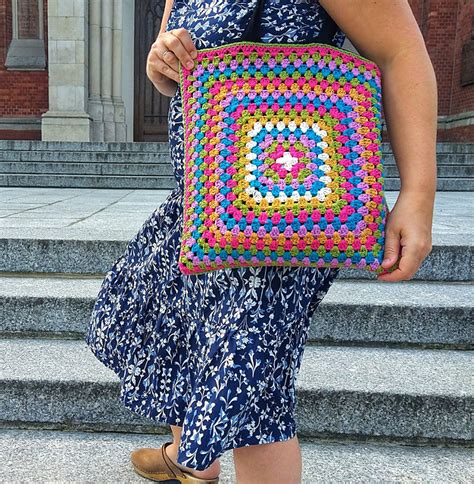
pixel 275 463
pixel 172 450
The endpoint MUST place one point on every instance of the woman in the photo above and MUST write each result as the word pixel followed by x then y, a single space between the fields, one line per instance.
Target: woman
pixel 182 344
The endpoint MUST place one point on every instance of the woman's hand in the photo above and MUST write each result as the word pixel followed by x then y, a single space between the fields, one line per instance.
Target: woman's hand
pixel 407 235
pixel 169 48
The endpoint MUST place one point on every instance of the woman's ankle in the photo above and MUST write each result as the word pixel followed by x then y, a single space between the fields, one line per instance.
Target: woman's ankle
pixel 209 473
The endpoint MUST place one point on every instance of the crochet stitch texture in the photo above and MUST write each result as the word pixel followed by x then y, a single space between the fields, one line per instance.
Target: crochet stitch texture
pixel 283 162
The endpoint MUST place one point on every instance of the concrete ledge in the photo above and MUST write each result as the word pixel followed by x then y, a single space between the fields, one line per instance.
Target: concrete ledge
pixel 456 120
pixel 20 124
pixel 26 55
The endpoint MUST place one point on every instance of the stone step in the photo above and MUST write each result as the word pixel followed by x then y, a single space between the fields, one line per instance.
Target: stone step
pixel 161 155
pixel 362 312
pixel 444 171
pixel 442 159
pixel 399 395
pixel 86 230
pixel 100 168
pixel 106 157
pixel 79 251
pixel 76 146
pixel 403 313
pixel 164 168
pixel 151 147
pixel 86 181
pixel 85 457
pixel 166 182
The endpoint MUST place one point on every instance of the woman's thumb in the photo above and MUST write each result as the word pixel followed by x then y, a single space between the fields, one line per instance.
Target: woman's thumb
pixel 391 249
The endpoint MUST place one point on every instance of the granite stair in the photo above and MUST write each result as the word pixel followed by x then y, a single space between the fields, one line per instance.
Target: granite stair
pixel 147 165
pixel 384 393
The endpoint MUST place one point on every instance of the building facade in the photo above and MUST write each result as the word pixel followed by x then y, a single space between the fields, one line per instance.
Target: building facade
pixel 74 70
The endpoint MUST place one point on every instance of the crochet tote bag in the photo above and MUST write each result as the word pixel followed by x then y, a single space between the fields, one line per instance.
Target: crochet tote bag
pixel 283 161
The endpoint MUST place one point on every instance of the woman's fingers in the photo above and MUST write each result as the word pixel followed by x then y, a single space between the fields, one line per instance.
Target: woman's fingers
pixel 169 49
pixel 410 261
pixel 408 236
pixel 189 53
pixel 180 45
pixel 407 267
pixel 160 73
pixel 413 252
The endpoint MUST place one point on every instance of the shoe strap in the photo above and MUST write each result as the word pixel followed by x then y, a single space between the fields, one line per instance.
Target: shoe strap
pixel 174 469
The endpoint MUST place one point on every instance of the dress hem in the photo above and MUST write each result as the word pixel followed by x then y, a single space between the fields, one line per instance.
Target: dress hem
pixel 171 421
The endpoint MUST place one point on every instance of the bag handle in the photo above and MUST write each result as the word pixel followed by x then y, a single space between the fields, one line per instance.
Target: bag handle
pixel 252 31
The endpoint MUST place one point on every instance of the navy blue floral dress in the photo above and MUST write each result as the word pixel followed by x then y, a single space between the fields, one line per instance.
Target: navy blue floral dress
pixel 216 353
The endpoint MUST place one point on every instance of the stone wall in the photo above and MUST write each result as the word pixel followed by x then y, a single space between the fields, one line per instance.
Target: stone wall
pixel 67 118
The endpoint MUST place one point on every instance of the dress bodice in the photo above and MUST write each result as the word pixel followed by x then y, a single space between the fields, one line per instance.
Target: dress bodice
pixel 215 22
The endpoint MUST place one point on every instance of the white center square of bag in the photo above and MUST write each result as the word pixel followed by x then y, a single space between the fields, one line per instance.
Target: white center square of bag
pixel 262 171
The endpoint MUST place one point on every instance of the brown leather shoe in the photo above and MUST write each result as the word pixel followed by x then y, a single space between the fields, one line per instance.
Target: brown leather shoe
pixel 155 464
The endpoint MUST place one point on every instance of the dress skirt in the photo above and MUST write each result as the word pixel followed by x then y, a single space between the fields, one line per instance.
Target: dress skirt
pixel 216 353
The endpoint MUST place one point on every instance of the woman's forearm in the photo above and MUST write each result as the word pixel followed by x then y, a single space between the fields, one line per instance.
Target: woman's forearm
pixel 410 103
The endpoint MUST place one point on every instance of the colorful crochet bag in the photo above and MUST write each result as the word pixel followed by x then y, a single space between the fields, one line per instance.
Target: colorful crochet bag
pixel 283 159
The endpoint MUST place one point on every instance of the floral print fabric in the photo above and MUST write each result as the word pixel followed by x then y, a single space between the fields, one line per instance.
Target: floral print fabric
pixel 216 353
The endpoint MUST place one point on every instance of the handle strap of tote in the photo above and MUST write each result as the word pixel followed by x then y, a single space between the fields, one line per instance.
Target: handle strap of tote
pixel 252 32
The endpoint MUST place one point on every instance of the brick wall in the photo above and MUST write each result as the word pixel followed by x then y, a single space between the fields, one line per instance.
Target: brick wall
pixel 22 93
pixel 462 97
pixel 449 24
pixel 446 26
pixel 440 39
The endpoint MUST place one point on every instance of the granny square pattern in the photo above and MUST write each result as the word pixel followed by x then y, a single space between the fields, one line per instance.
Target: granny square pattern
pixel 283 162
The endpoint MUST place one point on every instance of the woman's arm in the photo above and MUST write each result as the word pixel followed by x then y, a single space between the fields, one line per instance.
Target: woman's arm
pixel 166 15
pixel 386 32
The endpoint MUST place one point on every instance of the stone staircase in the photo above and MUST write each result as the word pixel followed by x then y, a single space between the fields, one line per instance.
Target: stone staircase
pixel 146 165
pixel 385 389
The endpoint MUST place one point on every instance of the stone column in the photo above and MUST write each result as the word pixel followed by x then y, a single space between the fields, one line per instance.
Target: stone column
pixel 68 33
pixel 95 102
pixel 107 61
pixel 119 118
pixel 128 62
